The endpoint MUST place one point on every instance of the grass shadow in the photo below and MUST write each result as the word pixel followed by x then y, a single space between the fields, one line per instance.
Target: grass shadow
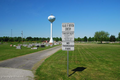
pixel 80 69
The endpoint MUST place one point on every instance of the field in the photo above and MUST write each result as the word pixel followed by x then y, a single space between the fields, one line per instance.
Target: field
pixel 7 52
pixel 86 62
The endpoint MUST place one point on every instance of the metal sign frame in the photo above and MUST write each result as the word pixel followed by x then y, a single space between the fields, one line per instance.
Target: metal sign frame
pixel 68 40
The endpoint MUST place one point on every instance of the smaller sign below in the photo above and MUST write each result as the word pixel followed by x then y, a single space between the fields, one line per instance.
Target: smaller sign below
pixel 69 46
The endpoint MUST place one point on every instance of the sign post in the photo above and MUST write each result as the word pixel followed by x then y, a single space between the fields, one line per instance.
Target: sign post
pixel 68 63
pixel 68 40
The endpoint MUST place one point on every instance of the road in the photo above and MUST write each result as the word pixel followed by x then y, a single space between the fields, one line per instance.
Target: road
pixel 28 61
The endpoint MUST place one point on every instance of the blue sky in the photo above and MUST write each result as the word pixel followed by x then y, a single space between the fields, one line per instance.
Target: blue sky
pixel 31 17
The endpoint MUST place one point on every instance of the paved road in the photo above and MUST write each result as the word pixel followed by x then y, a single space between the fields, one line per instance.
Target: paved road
pixel 15 74
pixel 27 61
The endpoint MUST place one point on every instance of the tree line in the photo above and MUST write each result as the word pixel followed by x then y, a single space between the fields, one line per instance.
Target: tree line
pixel 98 36
pixel 19 39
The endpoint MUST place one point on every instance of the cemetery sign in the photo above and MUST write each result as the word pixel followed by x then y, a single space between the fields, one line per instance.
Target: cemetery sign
pixel 68 36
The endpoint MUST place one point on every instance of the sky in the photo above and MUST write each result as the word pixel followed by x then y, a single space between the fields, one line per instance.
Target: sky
pixel 31 17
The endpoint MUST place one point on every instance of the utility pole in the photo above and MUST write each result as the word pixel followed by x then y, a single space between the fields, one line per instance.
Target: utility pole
pixel 22 36
pixel 11 32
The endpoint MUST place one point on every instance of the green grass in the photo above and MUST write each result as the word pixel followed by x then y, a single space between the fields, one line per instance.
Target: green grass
pixel 95 62
pixel 7 52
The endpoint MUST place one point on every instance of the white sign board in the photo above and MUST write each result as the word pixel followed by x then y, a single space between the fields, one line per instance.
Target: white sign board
pixel 68 36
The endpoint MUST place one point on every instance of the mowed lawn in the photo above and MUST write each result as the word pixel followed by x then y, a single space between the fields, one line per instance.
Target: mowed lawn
pixel 7 52
pixel 86 62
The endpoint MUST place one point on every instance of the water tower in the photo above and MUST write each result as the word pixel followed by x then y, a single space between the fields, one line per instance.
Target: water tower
pixel 51 18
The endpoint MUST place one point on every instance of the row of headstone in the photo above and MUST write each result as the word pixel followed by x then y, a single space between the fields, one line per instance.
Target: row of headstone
pixel 25 45
pixel 36 45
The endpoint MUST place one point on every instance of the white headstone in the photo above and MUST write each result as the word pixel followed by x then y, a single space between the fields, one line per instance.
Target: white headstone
pixel 29 46
pixel 47 45
pixel 18 47
pixel 51 45
pixel 34 48
pixel 14 45
pixel 55 44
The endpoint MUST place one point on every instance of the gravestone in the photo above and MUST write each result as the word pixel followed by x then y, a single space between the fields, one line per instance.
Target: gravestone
pixel 51 45
pixel 33 44
pixel 34 48
pixel 24 45
pixel 42 45
pixel 11 45
pixel 20 44
pixel 55 43
pixel 47 45
pixel 37 45
pixel 14 45
pixel 29 46
pixel 18 47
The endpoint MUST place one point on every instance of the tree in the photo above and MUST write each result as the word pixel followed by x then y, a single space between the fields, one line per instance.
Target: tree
pixel 79 39
pixel 15 39
pixel 48 38
pixel 60 39
pixel 101 35
pixel 75 39
pixel 82 39
pixel 29 38
pixel 119 35
pixel 92 39
pixel 19 39
pixel 35 38
pixel 56 39
pixel 89 39
pixel 112 38
pixel 5 38
pixel 0 38
pixel 107 39
pixel 11 39
pixel 85 39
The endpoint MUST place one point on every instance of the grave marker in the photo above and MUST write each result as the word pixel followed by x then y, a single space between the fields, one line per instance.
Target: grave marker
pixel 34 48
pixel 18 47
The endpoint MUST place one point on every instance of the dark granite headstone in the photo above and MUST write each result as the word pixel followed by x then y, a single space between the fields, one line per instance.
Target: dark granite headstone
pixel 37 45
pixel 42 45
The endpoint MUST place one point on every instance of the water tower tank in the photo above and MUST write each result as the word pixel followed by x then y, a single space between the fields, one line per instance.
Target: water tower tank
pixel 51 18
